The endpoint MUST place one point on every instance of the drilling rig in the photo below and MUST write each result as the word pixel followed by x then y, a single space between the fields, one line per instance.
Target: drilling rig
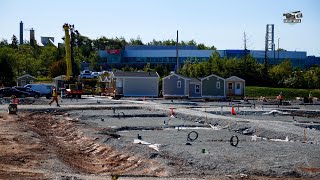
pixel 72 84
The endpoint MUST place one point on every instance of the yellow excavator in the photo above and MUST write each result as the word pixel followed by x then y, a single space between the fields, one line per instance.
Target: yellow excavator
pixel 72 85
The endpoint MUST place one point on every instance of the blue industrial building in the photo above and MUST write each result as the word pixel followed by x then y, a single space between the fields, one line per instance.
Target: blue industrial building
pixel 141 55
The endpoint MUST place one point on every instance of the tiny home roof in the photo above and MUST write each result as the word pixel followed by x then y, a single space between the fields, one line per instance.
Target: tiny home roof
pixel 122 74
pixel 195 80
pixel 61 77
pixel 174 74
pixel 234 78
pixel 27 75
pixel 211 76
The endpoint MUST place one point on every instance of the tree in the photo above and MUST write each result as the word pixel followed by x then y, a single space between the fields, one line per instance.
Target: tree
pixel 58 68
pixel 137 41
pixel 104 43
pixel 14 42
pixel 49 54
pixel 84 45
pixel 147 68
pixel 3 43
pixel 311 78
pixel 280 49
pixel 6 71
pixel 279 73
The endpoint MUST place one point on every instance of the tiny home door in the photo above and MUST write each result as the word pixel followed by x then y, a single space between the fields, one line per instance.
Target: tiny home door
pixel 237 88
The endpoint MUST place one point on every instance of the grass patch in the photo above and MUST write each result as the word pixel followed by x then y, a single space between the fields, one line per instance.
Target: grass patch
pixel 288 93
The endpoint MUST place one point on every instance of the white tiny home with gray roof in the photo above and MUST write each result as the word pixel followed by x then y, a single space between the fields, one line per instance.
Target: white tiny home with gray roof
pixel 135 84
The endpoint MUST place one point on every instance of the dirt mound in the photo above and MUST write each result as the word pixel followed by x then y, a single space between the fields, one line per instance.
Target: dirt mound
pixel 86 153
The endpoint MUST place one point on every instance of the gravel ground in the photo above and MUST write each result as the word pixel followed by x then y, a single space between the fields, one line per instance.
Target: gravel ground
pixel 262 150
pixel 211 153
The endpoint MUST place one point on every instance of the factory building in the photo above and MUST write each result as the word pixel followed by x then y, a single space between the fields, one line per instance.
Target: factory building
pixel 141 55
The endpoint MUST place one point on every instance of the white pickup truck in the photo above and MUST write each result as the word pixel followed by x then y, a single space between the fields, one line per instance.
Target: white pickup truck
pixel 86 74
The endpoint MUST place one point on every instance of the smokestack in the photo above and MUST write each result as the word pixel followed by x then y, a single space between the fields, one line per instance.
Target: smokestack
pixel 32 39
pixel 177 51
pixel 21 32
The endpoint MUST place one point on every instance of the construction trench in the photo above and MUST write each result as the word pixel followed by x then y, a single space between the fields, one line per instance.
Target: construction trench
pixel 101 138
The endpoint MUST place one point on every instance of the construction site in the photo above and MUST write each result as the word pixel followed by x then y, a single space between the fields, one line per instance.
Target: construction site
pixel 138 138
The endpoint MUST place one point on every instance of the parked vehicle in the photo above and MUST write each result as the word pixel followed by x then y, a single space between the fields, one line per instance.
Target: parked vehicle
pixel 43 89
pixel 95 74
pixel 31 92
pixel 8 92
pixel 86 74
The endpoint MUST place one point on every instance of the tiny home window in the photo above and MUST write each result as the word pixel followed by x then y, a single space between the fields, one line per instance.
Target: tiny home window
pixel 230 86
pixel 178 84
pixel 238 86
pixel 197 89
pixel 23 82
pixel 218 85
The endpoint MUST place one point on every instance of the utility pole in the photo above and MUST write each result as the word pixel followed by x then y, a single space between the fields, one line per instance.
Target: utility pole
pixel 274 53
pixel 278 49
pixel 245 52
pixel 177 51
pixel 245 45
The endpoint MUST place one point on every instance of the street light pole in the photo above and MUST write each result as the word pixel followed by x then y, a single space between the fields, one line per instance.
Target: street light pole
pixel 278 49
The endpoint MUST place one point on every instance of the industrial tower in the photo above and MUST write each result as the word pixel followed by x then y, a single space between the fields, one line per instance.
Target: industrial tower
pixel 269 46
pixel 21 32
pixel 269 42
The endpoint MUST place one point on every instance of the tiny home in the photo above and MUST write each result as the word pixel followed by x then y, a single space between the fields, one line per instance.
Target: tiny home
pixel 136 84
pixel 195 88
pixel 25 79
pixel 235 86
pixel 213 86
pixel 175 85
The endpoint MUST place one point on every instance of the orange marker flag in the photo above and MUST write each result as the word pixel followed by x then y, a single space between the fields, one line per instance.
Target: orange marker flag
pixel 233 112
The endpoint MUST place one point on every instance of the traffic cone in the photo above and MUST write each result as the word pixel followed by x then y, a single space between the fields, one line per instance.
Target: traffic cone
pixel 233 112
pixel 171 112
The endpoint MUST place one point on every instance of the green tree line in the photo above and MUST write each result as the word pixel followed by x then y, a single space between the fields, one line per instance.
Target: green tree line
pixel 282 75
pixel 49 61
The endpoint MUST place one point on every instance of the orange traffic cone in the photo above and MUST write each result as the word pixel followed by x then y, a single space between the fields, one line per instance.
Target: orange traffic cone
pixel 233 112
pixel 172 112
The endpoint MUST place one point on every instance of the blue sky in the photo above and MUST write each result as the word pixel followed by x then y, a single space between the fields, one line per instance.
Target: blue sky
pixel 212 22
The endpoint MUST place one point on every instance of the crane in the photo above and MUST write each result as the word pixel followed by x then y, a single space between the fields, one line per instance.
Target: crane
pixel 72 86
pixel 66 28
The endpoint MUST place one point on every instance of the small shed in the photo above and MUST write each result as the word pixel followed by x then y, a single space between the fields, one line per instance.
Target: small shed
pixel 59 81
pixel 195 88
pixel 235 86
pixel 175 85
pixel 213 86
pixel 136 84
pixel 25 79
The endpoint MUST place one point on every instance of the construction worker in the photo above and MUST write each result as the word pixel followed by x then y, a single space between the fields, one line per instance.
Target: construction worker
pixel 280 98
pixel 310 97
pixel 54 97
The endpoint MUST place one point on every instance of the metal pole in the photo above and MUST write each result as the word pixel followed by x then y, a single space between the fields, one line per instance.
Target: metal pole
pixel 177 53
pixel 278 49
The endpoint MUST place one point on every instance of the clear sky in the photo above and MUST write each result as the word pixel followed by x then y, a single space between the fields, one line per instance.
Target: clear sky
pixel 212 22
